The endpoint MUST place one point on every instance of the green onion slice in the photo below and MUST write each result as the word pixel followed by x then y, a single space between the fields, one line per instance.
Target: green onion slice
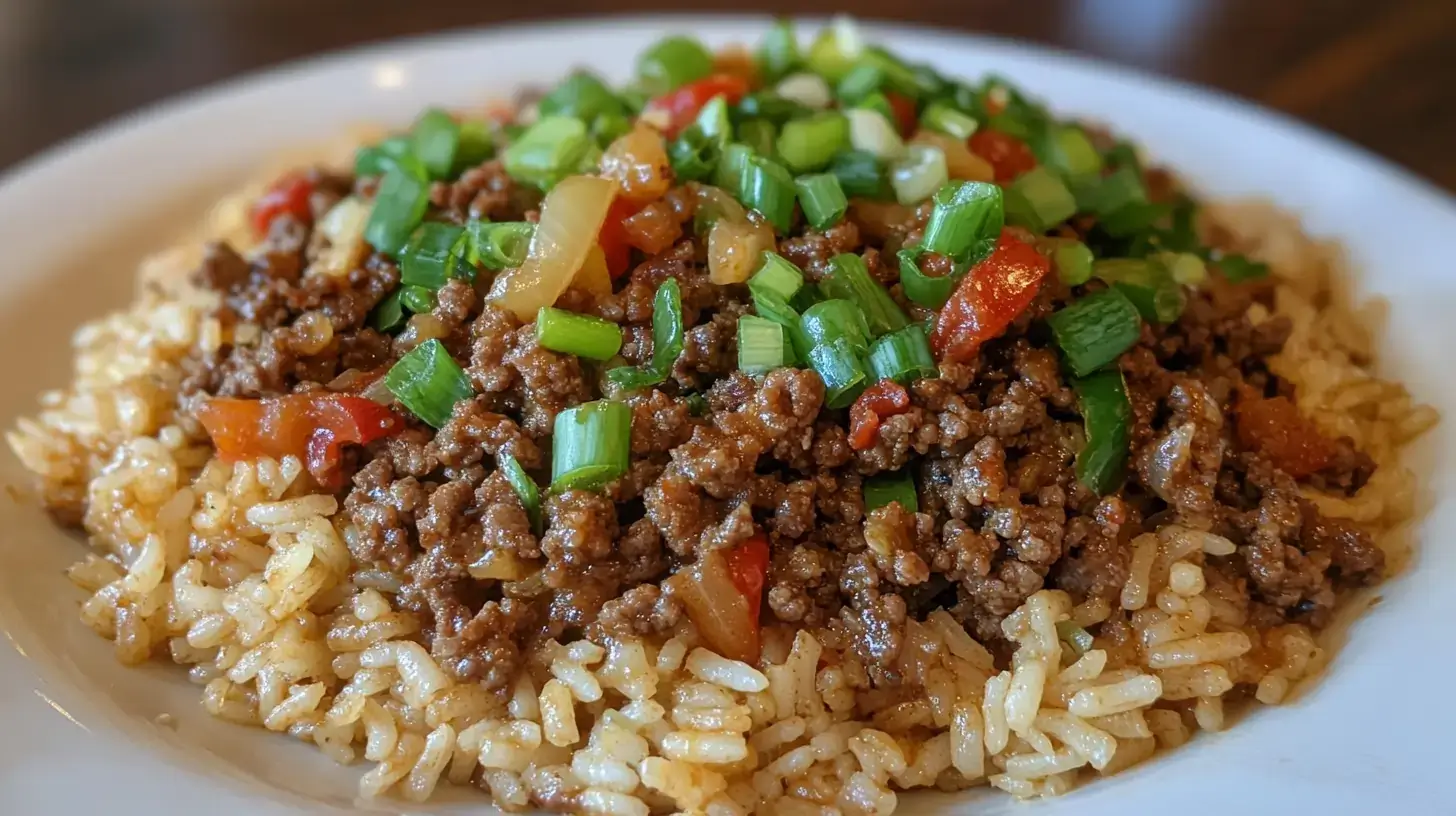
pixel 768 188
pixel 499 245
pixel 762 345
pixel 778 276
pixel 389 314
pixel 1158 298
pixel 428 382
pixel 760 135
pixel 673 62
pixel 376 160
pixel 590 445
pixel 1073 262
pixel 399 206
pixel 1107 418
pixel 417 299
pixel 550 150
pixel 917 176
pixel 903 356
pixel 778 53
pixel 1095 330
pixel 434 139
pixel 808 144
pixel 433 256
pixel 731 167
pixel 943 116
pixel 582 335
pixel 837 49
pixel 861 175
pixel 1038 200
pixel 830 321
pixel 667 340
pixel 929 291
pixel 884 488
pixel 849 279
pixel 583 96
pixel 1238 268
pixel 524 487
pixel 822 199
pixel 842 369
pixel 965 222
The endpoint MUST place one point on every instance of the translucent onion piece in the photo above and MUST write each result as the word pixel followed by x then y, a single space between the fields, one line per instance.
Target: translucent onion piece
pixel 571 219
pixel 593 275
pixel 735 249
pixel 638 163
pixel 960 162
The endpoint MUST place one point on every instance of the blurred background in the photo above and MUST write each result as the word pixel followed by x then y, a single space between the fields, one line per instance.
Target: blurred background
pixel 1381 73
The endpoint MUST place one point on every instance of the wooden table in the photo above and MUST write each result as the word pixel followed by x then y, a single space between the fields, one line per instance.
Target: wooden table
pixel 1378 72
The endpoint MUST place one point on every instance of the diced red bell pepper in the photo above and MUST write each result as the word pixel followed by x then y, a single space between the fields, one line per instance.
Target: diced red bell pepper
pixel 748 567
pixel 683 104
pixel 883 399
pixel 1008 156
pixel 992 294
pixel 613 237
pixel 288 194
pixel 313 427
pixel 1275 427
pixel 904 107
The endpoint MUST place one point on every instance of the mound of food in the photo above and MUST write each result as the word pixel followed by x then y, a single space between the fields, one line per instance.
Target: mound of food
pixel 779 434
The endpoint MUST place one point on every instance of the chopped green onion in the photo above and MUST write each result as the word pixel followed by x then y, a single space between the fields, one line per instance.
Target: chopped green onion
pixel 1108 194
pixel 809 144
pixel 712 120
pixel 759 134
pixel 841 368
pixel 769 105
pixel 1158 298
pixel 965 223
pixel 836 50
pixel 673 62
pixel 778 53
pixel 1107 418
pixel 583 96
pixel 762 345
pixel 903 356
pixel 608 127
pixel 591 445
pixel 1075 636
pixel 428 382
pixel 836 319
pixel 399 205
pixel 417 299
pixel 1095 330
pixel 809 90
pixel 899 77
pixel 1186 268
pixel 499 245
pixel 823 200
pixel 928 82
pixel 582 335
pixel 777 276
pixel 697 404
pixel 376 160
pixel 1238 268
pixel 945 118
pixel 1132 219
pixel 389 314
pixel 849 279
pixel 525 489
pixel 434 140
pixel 861 175
pixel 884 488
pixel 729 174
pixel 1038 200
pixel 694 155
pixel 917 176
pixel 861 81
pixel 432 257
pixel 768 188
pixel 475 146
pixel 1073 262
pixel 1124 155
pixel 667 340
pixel 1072 153
pixel 930 291
pixel 872 133
pixel 550 150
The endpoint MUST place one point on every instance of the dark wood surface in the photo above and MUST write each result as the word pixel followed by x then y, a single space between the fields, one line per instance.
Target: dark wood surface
pixel 1381 73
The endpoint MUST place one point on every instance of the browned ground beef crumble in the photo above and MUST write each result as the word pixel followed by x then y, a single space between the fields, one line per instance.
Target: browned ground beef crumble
pixel 991 444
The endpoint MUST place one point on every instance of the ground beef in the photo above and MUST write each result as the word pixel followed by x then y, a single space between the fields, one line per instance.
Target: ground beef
pixel 719 457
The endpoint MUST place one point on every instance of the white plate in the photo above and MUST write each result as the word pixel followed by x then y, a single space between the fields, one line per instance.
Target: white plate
pixel 79 731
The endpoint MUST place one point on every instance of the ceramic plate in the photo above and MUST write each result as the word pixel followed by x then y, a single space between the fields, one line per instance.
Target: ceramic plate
pixel 81 734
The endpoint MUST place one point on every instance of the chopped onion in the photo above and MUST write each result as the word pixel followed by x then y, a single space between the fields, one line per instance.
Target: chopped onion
pixel 735 249
pixel 499 565
pixel 880 219
pixel 871 132
pixel 807 89
pixel 593 276
pixel 571 219
pixel 960 162
pixel 638 163
pixel 343 225
pixel 717 607
pixel 1169 458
